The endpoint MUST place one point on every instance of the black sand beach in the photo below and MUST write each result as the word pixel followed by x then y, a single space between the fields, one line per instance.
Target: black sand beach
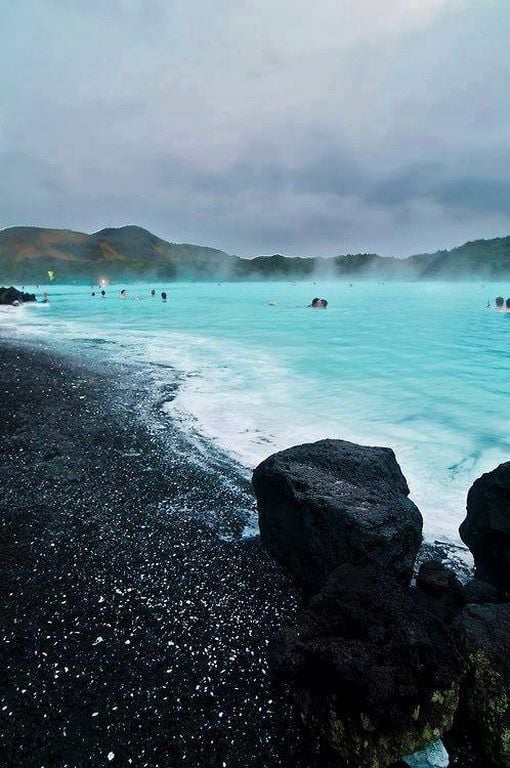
pixel 135 619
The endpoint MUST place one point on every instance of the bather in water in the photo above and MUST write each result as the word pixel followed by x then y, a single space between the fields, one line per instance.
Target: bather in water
pixel 319 303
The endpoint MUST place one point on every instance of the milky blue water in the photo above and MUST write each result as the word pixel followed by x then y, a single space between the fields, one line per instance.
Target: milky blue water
pixel 421 367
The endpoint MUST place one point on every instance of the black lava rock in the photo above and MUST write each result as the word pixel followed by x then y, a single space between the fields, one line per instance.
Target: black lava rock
pixel 484 632
pixel 10 295
pixel 440 589
pixel 476 591
pixel 486 529
pixel 332 502
pixel 436 578
pixel 374 675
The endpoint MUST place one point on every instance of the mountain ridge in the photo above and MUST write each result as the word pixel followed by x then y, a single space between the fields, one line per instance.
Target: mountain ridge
pixel 131 252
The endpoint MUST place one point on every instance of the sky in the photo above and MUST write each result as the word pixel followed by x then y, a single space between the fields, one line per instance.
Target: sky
pixel 259 126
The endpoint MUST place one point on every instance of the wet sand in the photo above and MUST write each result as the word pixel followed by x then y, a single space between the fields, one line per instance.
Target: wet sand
pixel 135 621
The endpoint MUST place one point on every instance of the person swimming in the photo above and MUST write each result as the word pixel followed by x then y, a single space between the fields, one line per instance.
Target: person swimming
pixel 153 292
pixel 499 302
pixel 507 305
pixel 93 293
pixel 163 295
pixel 123 294
pixel 103 294
pixel 318 303
pixel 44 298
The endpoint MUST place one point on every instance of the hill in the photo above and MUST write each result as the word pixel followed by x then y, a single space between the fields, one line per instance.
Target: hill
pixel 128 253
pixel 27 253
pixel 480 258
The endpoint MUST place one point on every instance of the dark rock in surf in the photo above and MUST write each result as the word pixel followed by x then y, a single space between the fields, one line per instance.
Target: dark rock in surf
pixel 476 591
pixel 10 295
pixel 333 502
pixel 374 675
pixel 439 589
pixel 435 578
pixel 484 632
pixel 486 529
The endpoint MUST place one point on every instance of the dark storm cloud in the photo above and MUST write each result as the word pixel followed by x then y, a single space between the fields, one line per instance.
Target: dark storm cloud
pixel 468 193
pixel 349 125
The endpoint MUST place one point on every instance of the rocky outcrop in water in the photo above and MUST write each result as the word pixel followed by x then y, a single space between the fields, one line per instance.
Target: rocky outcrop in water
pixel 333 502
pixel 484 631
pixel 374 675
pixel 486 529
pixel 11 295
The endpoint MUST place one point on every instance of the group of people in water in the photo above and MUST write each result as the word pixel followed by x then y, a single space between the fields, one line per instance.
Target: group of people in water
pixel 317 302
pixel 501 304
pixel 123 294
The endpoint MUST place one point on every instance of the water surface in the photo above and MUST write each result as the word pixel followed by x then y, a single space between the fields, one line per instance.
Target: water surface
pixel 421 367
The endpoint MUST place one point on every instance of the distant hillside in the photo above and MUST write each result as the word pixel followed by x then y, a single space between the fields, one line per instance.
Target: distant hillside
pixel 27 253
pixel 127 253
pixel 481 258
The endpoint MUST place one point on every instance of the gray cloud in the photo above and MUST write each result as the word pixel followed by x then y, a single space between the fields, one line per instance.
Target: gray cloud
pixel 259 126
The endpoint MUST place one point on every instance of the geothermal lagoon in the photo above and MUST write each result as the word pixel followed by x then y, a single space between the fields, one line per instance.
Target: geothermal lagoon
pixel 421 367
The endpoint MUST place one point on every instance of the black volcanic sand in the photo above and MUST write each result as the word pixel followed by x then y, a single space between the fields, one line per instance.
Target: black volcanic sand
pixel 134 620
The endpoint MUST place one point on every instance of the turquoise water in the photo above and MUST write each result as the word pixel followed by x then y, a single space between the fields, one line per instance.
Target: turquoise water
pixel 421 367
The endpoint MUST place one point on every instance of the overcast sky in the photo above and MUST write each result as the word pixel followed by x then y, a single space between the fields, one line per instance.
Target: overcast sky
pixel 259 126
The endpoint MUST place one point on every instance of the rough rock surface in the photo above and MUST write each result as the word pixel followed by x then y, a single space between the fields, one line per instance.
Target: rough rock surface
pixel 486 529
pixel 440 589
pixel 436 578
pixel 476 591
pixel 374 677
pixel 332 502
pixel 10 295
pixel 484 631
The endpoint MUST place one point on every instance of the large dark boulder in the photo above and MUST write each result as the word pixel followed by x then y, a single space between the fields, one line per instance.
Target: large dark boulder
pixel 332 502
pixel 486 529
pixel 10 295
pixel 484 632
pixel 374 675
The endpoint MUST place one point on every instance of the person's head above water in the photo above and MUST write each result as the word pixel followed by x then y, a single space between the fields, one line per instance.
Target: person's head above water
pixel 500 301
pixel 153 292
pixel 163 295
pixel 319 303
pixel 507 303
pixel 103 293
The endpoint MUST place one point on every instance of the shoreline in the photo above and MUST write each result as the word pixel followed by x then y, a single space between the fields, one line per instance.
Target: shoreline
pixel 133 604
pixel 137 620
